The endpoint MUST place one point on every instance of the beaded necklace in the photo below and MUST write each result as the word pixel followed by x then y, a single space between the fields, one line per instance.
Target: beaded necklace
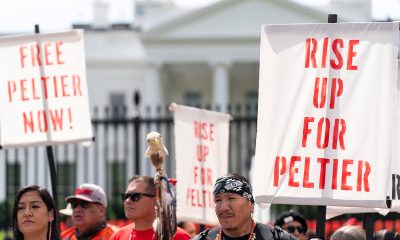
pixel 252 235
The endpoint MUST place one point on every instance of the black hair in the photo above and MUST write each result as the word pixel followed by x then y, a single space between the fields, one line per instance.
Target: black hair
pixel 50 204
pixel 149 181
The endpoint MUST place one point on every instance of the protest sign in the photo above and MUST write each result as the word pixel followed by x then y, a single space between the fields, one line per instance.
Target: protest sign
pixel 43 91
pixel 327 97
pixel 201 143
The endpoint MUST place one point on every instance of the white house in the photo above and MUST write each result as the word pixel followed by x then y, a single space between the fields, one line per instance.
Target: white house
pixel 205 56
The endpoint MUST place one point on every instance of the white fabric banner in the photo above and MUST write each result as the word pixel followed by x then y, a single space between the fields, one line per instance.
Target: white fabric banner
pixel 43 90
pixel 393 193
pixel 327 95
pixel 201 143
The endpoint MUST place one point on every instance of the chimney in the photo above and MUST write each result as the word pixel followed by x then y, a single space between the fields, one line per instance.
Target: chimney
pixel 100 15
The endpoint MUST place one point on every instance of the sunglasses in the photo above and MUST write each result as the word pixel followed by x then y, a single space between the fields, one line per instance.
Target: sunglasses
pixel 135 196
pixel 83 204
pixel 292 229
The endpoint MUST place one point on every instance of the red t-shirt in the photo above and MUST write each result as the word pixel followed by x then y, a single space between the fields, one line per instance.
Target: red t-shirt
pixel 125 233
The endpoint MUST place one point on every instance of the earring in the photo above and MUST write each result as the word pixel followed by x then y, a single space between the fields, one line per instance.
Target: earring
pixel 50 229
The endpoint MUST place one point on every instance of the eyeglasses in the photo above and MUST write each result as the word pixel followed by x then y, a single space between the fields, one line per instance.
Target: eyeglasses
pixel 135 196
pixel 292 229
pixel 83 204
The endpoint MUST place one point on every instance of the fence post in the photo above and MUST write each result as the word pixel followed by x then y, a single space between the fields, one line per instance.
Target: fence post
pixel 136 122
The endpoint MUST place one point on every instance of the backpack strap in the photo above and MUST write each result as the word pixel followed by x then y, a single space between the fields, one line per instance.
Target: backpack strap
pixel 209 233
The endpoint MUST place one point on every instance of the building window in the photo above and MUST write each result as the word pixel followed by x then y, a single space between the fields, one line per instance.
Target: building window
pixel 193 99
pixel 118 105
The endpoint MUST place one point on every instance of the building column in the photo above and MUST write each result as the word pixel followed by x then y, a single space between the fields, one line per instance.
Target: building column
pixel 220 84
pixel 152 95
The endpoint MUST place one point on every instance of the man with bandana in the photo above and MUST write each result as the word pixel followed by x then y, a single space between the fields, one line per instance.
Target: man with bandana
pixel 234 205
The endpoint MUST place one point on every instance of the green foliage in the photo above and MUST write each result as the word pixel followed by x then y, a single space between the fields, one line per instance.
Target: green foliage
pixel 115 209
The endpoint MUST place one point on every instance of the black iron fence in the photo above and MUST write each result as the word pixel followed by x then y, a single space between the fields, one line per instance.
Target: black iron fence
pixel 116 154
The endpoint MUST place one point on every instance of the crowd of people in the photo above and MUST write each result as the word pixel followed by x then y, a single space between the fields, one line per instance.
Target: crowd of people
pixel 35 216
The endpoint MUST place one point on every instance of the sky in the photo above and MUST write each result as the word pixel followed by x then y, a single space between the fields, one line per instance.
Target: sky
pixel 18 16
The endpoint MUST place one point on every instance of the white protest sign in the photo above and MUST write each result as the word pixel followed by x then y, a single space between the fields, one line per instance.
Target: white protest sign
pixel 201 143
pixel 327 97
pixel 393 191
pixel 43 90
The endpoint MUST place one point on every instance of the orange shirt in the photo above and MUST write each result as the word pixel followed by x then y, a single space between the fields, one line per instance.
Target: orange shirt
pixel 126 232
pixel 104 234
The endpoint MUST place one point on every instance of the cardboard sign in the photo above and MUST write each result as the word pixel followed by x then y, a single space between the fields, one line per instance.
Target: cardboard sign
pixel 327 99
pixel 201 142
pixel 43 90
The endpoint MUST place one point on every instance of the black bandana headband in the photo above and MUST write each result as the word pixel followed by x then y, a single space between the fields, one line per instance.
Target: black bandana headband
pixel 231 184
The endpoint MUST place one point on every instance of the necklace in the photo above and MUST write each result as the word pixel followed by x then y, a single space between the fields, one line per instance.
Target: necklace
pixel 252 235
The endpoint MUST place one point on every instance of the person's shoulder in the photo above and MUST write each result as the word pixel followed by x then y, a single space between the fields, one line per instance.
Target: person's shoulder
pixel 274 232
pixel 210 233
pixel 108 231
pixel 112 228
pixel 118 233
pixel 181 234
pixel 69 232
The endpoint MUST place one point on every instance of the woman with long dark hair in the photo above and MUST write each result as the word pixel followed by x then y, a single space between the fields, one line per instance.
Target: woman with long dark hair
pixel 35 215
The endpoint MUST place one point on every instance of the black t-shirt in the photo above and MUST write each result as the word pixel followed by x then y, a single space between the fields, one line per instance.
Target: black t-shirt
pixel 263 232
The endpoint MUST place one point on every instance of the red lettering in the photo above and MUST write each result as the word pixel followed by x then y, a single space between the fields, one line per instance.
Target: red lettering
pixel 338 133
pixel 35 56
pixel 306 130
pixel 323 162
pixel 310 52
pixel 12 88
pixel 321 90
pixel 323 122
pixel 76 83
pixel 59 52
pixel 335 93
pixel 346 174
pixel 202 152
pixel 338 47
pixel 279 170
pixel 34 94
pixel 351 54
pixel 44 84
pixel 293 170
pixel 28 122
pixel 366 175
pixel 339 64
pixel 56 118
pixel 199 198
pixel 42 121
pixel 309 176
pixel 64 86
pixel 22 55
pixel 23 90
pixel 306 181
pixel 334 174
pixel 203 176
pixel 362 178
pixel 47 54
pixel 324 52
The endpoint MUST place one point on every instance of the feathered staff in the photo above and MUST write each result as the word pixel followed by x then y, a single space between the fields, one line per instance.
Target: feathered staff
pixel 165 223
